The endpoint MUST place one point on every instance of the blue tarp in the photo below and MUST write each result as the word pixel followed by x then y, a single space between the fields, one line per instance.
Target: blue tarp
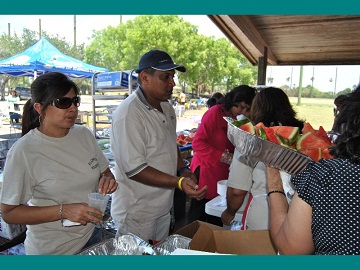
pixel 43 57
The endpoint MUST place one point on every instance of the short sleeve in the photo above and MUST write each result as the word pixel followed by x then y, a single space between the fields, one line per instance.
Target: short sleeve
pixel 241 172
pixel 310 182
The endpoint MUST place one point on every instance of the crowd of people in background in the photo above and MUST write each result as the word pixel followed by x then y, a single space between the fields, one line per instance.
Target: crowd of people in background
pixel 55 164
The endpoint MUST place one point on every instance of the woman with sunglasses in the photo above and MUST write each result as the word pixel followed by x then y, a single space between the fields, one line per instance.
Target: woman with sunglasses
pixel 51 169
pixel 212 147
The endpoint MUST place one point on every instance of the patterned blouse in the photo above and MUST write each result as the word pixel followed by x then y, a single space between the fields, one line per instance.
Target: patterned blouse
pixel 332 188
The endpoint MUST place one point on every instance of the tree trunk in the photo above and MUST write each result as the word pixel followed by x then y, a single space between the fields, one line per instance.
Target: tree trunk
pixel 2 87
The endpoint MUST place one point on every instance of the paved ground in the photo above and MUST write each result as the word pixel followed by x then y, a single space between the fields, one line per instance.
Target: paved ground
pixel 5 130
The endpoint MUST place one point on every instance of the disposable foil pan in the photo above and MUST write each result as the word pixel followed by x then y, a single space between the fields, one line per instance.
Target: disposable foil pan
pixel 108 247
pixel 270 153
pixel 105 247
pixel 171 243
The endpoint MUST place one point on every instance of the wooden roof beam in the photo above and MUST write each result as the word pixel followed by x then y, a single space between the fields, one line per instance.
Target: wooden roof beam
pixel 243 34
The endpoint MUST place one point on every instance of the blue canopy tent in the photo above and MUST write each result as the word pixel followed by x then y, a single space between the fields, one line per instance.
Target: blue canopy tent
pixel 43 57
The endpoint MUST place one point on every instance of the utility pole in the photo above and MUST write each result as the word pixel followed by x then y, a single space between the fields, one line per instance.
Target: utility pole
pixel 74 31
pixel 300 85
pixel 9 29
pixel 335 81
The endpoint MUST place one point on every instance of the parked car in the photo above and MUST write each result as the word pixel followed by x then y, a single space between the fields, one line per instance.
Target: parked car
pixel 23 92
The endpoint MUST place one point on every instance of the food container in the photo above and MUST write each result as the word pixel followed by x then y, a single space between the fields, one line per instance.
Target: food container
pixel 172 243
pixel 130 244
pixel 272 154
pixel 110 247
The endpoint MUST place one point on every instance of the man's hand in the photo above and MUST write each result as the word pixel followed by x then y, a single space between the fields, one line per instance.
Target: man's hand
pixel 189 174
pixel 191 189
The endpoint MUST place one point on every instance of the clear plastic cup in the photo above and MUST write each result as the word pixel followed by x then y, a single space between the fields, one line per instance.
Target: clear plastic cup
pixel 98 201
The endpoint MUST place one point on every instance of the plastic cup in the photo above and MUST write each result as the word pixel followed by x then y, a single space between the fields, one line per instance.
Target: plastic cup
pixel 98 201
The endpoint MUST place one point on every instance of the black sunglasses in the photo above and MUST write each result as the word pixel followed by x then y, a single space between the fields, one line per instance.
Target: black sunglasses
pixel 65 102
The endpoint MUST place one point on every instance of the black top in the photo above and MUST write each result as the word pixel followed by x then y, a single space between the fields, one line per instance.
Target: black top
pixel 332 188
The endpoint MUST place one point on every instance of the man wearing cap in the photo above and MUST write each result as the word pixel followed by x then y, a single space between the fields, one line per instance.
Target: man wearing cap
pixel 143 141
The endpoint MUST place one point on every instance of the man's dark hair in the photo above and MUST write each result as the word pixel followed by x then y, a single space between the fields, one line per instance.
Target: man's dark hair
pixel 149 71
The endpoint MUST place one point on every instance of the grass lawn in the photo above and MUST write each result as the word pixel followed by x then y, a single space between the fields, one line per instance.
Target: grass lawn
pixel 318 112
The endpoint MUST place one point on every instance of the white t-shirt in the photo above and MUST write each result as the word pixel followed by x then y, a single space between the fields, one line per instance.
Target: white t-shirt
pixel 140 137
pixel 43 171
pixel 250 175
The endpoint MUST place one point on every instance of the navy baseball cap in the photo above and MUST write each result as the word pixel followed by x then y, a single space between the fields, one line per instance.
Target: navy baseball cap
pixel 158 60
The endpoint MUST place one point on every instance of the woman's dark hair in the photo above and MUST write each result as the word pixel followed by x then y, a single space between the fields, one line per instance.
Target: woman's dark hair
pixel 15 92
pixel 272 107
pixel 217 95
pixel 340 100
pixel 241 93
pixel 44 89
pixel 211 102
pixel 347 124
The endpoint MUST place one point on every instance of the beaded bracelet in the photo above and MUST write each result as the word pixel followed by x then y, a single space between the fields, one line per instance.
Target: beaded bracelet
pixel 60 213
pixel 179 182
pixel 277 191
pixel 183 169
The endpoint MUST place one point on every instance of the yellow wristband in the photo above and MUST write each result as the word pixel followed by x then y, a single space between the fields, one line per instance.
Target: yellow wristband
pixel 179 182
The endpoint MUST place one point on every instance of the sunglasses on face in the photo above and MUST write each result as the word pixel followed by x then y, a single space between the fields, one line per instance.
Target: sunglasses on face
pixel 65 102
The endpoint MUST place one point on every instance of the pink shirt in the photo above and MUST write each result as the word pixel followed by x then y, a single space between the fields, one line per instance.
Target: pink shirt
pixel 209 143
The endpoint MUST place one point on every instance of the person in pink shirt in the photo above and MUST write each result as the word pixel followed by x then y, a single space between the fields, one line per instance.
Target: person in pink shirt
pixel 211 145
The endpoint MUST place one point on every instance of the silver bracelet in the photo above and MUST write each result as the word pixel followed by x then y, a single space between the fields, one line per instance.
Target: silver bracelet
pixel 60 213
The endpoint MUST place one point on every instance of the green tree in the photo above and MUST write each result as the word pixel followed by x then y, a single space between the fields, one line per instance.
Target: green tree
pixel 209 62
pixel 344 92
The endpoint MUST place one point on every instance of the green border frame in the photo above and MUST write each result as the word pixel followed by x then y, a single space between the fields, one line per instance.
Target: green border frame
pixel 183 7
pixel 180 7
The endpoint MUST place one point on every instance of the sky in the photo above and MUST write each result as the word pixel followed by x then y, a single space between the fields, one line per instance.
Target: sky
pixel 63 25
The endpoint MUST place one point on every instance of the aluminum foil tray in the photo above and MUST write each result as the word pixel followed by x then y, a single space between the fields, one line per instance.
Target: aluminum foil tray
pixel 108 247
pixel 105 247
pixel 275 155
pixel 171 243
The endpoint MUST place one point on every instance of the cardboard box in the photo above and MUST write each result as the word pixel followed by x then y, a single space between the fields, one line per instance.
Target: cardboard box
pixel 10 231
pixel 210 238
